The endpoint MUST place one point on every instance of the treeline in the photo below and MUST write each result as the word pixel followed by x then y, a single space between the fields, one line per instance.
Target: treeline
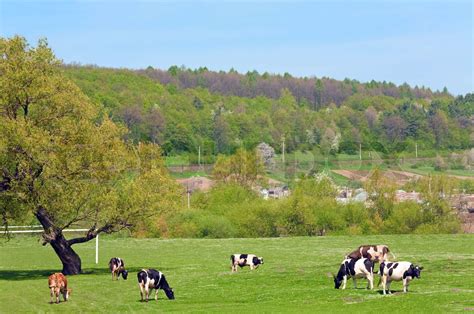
pixel 184 110
pixel 231 210
pixel 315 93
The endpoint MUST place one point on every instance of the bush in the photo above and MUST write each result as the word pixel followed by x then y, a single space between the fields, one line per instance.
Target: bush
pixel 212 226
pixel 405 218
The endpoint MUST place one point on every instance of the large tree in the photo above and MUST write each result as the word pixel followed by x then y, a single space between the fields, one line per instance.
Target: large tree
pixel 62 162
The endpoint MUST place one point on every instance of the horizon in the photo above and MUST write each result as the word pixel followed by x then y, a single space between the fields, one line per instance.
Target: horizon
pixel 393 42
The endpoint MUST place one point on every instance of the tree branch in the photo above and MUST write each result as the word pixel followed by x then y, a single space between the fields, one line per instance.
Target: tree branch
pixel 107 228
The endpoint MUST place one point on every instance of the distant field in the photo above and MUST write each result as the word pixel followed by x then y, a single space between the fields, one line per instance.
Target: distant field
pixel 294 278
pixel 430 170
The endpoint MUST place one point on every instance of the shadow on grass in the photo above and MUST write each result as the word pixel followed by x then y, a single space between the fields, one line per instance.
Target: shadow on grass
pixel 393 292
pixel 13 275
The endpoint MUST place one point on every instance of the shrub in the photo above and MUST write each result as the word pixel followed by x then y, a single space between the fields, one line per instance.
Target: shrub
pixel 405 218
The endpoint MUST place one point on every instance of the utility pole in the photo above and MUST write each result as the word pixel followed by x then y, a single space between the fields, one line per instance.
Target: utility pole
pixel 416 150
pixel 296 164
pixel 360 151
pixel 189 198
pixel 283 149
pixel 188 192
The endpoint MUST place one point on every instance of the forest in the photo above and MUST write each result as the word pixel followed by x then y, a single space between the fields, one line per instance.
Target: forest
pixel 183 110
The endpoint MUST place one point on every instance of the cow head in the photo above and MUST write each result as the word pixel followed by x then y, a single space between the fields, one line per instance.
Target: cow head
pixel 337 282
pixel 67 294
pixel 169 293
pixel 257 260
pixel 124 274
pixel 416 270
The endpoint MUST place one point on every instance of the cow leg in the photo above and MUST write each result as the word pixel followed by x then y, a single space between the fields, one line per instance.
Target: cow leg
pixel 147 293
pixel 252 267
pixel 141 291
pixel 156 294
pixel 405 285
pixel 370 281
pixel 52 295
pixel 389 282
pixel 354 280
pixel 344 281
pixel 384 283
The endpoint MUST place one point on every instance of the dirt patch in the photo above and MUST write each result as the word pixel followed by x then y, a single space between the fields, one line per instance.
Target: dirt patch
pixel 399 177
pixel 352 300
pixel 196 183
pixel 467 222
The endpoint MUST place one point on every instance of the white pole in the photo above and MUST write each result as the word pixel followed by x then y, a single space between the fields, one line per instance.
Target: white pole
pixel 189 198
pixel 97 249
pixel 416 150
pixel 360 151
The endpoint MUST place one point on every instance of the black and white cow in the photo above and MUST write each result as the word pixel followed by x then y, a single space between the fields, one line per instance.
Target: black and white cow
pixel 245 260
pixel 396 271
pixel 149 279
pixel 117 267
pixel 355 268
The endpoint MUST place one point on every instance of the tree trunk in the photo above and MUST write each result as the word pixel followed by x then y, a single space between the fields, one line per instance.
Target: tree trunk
pixel 71 261
pixel 54 236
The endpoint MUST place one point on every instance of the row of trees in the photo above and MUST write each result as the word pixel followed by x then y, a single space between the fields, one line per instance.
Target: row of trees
pixel 182 120
pixel 232 210
pixel 315 93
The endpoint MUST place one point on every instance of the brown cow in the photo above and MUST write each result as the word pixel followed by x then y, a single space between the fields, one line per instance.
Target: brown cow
pixel 57 283
pixel 376 253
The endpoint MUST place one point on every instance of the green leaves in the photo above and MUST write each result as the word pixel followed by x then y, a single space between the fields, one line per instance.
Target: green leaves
pixel 59 154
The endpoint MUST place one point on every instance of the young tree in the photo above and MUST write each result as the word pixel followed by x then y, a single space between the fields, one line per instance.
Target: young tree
pixel 62 162
pixel 244 168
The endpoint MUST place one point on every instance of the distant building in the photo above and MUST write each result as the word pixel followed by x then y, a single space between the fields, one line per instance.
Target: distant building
pixel 403 196
pixel 275 192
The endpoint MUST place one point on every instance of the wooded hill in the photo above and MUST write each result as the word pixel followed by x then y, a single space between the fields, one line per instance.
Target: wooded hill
pixel 183 109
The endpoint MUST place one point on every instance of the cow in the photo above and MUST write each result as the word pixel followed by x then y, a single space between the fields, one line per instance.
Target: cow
pixel 117 267
pixel 149 279
pixel 57 283
pixel 376 253
pixel 396 271
pixel 245 260
pixel 355 268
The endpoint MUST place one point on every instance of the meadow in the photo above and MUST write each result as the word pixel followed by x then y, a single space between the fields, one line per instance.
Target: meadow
pixel 296 276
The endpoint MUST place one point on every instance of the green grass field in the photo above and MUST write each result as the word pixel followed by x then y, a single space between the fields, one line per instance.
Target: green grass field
pixel 294 278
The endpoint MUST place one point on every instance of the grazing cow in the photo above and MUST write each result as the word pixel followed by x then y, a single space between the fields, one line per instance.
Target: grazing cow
pixel 355 268
pixel 397 271
pixel 376 253
pixel 57 283
pixel 245 260
pixel 149 279
pixel 117 267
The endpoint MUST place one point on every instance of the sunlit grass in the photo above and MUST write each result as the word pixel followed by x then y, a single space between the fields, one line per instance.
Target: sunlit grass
pixel 294 278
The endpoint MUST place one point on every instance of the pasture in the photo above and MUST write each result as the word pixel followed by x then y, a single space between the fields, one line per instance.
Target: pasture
pixel 294 278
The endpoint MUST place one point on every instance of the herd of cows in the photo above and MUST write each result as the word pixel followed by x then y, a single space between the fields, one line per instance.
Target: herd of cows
pixel 358 264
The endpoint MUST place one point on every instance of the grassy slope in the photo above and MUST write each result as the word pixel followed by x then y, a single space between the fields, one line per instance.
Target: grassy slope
pixel 294 277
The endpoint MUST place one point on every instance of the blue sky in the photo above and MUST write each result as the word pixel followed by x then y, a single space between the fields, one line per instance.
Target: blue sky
pixel 426 43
